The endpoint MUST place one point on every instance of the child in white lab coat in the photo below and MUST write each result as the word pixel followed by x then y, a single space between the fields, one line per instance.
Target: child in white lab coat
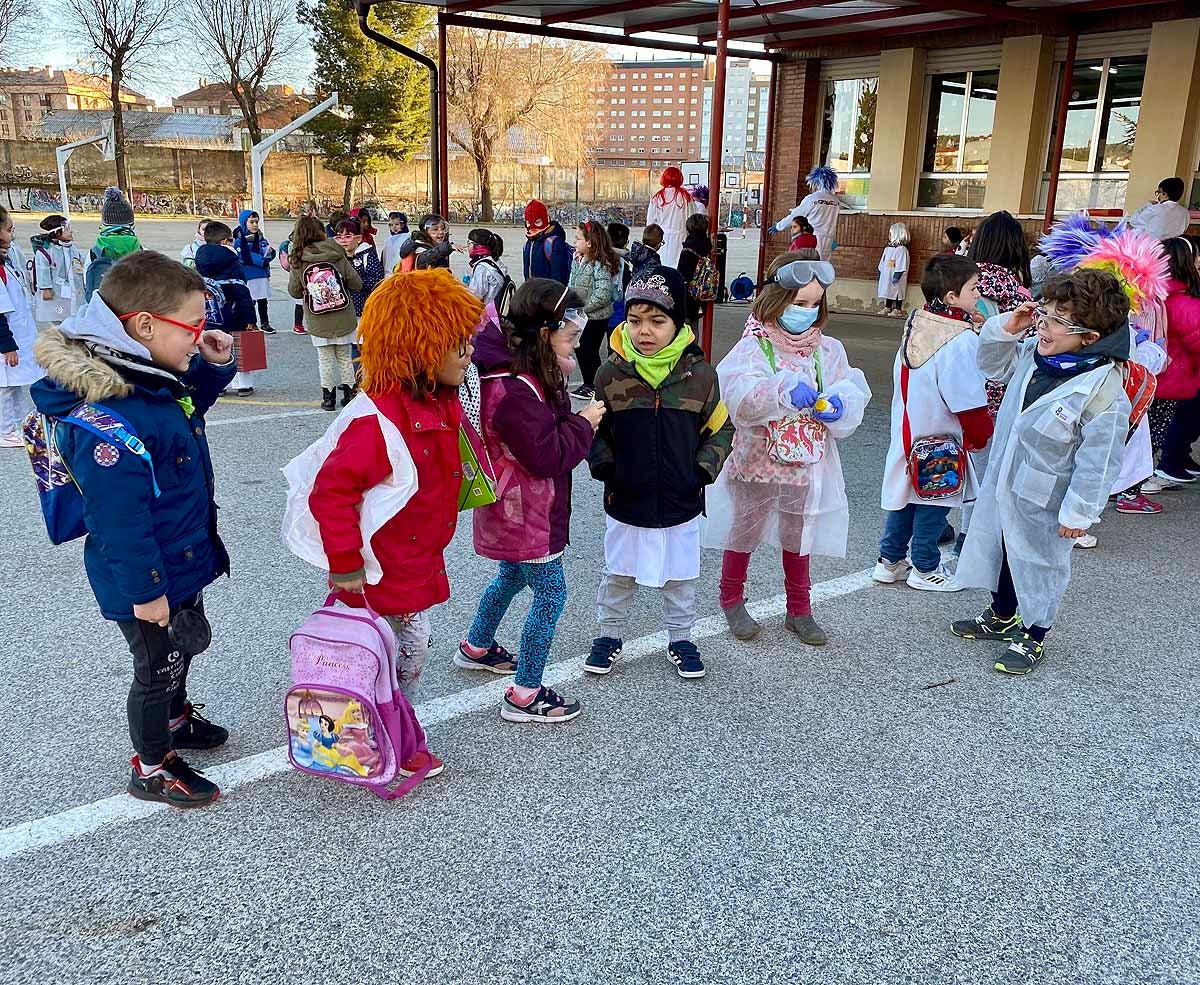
pixel 792 396
pixel 1057 451
pixel 18 332
pixel 893 270
pixel 57 271
pixel 937 391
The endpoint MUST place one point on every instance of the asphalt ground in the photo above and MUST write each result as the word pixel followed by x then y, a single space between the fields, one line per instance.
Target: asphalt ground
pixel 884 809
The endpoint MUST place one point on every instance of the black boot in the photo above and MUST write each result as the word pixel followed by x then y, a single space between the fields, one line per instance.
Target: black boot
pixel 348 394
pixel 328 399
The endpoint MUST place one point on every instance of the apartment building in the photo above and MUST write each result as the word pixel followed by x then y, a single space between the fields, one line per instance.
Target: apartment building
pixel 650 113
pixel 28 94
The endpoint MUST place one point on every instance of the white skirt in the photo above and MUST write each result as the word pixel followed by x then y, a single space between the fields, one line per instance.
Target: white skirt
pixel 260 288
pixel 652 556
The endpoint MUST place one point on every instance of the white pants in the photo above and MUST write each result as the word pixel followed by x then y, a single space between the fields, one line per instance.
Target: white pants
pixel 14 405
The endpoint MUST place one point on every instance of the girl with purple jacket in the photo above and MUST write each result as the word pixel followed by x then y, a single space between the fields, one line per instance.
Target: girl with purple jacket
pixel 534 441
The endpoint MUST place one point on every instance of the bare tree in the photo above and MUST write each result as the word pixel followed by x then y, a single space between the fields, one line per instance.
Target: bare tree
pixel 254 41
pixel 496 81
pixel 14 15
pixel 121 38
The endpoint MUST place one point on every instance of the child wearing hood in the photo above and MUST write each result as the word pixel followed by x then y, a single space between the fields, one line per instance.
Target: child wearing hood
pixel 322 276
pixel 534 440
pixel 217 262
pixel 398 235
pixel 661 443
pixel 57 271
pixel 793 397
pixel 139 356
pixel 18 332
pixel 1056 453
pixel 256 255
pixel 547 252
pixel 117 239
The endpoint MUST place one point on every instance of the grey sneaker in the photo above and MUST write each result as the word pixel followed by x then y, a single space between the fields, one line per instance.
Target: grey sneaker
pixel 807 629
pixel 741 623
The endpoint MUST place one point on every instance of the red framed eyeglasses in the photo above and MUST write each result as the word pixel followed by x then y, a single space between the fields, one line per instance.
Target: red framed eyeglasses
pixel 196 330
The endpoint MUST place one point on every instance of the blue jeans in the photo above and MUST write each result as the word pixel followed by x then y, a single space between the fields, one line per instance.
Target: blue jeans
pixel 549 585
pixel 920 523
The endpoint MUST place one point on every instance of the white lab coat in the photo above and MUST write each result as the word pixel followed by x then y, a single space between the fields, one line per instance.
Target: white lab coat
pixel 15 305
pixel 672 216
pixel 1050 464
pixel 800 508
pixel 58 266
pixel 893 261
pixel 821 209
pixel 1137 464
pixel 487 279
pixel 1162 220
pixel 948 384
pixel 391 251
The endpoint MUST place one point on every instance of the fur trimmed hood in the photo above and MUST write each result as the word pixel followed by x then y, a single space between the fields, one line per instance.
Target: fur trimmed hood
pixel 73 366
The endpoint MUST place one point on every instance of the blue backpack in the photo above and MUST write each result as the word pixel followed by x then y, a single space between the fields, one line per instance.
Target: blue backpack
pixel 59 494
pixel 96 269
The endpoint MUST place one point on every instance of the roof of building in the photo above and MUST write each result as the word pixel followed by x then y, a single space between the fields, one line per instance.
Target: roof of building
pixel 65 76
pixel 199 132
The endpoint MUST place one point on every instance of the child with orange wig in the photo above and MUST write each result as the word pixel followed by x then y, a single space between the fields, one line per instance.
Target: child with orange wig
pixel 385 496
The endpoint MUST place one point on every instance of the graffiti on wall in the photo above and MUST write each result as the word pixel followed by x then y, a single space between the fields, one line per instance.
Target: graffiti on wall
pixel 24 198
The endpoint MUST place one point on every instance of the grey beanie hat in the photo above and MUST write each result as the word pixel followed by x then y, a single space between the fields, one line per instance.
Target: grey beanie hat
pixel 115 209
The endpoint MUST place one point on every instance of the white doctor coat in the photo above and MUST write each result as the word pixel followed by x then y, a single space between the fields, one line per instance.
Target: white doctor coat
pixel 672 215
pixel 15 305
pixel 821 209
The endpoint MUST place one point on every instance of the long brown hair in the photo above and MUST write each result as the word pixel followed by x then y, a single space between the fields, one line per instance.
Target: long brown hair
pixel 600 246
pixel 773 300
pixel 308 231
pixel 539 303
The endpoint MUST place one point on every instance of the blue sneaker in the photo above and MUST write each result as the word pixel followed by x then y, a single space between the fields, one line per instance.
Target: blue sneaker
pixel 686 659
pixel 604 654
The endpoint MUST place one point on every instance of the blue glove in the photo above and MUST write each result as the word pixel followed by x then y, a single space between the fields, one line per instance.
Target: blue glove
pixel 896 276
pixel 833 412
pixel 802 396
pixel 1141 336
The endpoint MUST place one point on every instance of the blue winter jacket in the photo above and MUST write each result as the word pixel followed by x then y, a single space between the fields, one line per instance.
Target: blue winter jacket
pixel 138 547
pixel 220 264
pixel 548 255
pixel 253 249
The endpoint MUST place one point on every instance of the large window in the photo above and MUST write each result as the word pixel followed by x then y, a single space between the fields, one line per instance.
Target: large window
pixel 848 135
pixel 1102 120
pixel 958 140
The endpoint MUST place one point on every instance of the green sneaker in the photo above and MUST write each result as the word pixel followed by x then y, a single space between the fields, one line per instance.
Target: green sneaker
pixel 1022 655
pixel 988 626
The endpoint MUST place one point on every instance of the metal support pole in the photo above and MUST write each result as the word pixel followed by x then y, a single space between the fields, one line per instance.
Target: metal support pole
pixel 62 155
pixel 766 186
pixel 1064 103
pixel 259 152
pixel 716 142
pixel 436 162
pixel 443 135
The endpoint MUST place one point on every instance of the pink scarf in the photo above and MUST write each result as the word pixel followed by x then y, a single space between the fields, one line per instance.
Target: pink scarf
pixel 797 345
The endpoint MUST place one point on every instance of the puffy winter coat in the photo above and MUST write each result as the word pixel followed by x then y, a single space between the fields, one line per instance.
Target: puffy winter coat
pixel 220 264
pixel 534 441
pixel 253 249
pixel 332 324
pixel 1181 379
pixel 548 255
pixel 139 546
pixel 409 546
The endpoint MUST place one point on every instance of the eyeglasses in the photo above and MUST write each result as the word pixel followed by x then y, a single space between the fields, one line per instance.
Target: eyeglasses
pixel 196 330
pixel 1044 316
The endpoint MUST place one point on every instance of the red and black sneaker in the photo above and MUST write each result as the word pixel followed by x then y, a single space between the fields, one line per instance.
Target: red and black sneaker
pixel 173 783
pixel 193 731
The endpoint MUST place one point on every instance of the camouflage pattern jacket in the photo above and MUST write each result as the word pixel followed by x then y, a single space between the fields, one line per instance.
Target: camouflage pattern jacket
pixel 656 450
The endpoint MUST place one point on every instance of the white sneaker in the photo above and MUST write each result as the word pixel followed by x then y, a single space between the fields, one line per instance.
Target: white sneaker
pixel 1156 485
pixel 11 440
pixel 938 580
pixel 890 572
pixel 1086 542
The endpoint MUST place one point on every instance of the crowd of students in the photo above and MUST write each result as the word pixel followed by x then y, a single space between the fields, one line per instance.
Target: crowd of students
pixel 1018 405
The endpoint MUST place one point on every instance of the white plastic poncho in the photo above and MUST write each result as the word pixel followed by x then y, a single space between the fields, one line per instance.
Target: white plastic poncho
pixel 670 208
pixel 301 534
pixel 1051 464
pixel 756 501
pixel 15 305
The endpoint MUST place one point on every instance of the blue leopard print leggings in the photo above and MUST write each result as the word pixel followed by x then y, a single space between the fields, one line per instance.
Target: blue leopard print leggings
pixel 549 584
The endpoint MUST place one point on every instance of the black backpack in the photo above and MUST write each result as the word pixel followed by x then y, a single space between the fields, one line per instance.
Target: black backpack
pixel 504 298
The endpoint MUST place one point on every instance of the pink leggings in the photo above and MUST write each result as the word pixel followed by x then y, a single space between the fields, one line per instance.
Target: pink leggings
pixel 796 582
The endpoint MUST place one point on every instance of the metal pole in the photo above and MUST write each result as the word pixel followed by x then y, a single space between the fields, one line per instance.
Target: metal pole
pixel 363 7
pixel 766 185
pixel 259 152
pixel 1064 103
pixel 444 128
pixel 716 140
pixel 61 156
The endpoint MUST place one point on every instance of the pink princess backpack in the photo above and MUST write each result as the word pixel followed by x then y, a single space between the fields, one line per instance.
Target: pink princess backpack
pixel 346 716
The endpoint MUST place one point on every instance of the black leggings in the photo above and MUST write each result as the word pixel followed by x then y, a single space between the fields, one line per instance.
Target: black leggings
pixel 1004 599
pixel 589 348
pixel 264 317
pixel 298 320
pixel 1182 433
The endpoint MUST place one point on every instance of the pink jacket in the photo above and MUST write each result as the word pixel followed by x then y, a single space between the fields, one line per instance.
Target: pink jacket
pixel 1181 379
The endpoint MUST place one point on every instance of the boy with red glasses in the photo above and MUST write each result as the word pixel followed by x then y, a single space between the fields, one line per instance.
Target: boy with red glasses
pixel 128 382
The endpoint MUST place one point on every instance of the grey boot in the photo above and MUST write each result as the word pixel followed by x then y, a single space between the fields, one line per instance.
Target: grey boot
pixel 807 629
pixel 741 623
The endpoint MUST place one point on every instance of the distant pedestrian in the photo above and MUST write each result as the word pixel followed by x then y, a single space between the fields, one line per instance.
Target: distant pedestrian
pixel 670 208
pixel 187 256
pixel 117 239
pixel 256 255
pixel 592 274
pixel 547 252
pixel 363 258
pixel 697 248
pixel 430 246
pixel 489 279
pixel 893 270
pixel 18 332
pixel 821 207
pixel 398 235
pixel 217 262
pixel 643 256
pixel 57 271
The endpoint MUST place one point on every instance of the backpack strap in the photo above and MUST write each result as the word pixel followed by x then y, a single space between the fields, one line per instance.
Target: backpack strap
pixel 906 427
pixel 768 350
pixel 529 381
pixel 548 246
pixel 112 429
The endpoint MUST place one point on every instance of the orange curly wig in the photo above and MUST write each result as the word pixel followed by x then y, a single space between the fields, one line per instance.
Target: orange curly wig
pixel 409 323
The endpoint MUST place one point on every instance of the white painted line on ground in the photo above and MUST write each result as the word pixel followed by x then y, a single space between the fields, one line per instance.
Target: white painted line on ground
pixel 78 822
pixel 215 422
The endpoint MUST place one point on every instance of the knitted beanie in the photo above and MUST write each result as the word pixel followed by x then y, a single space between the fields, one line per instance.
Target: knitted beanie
pixel 662 287
pixel 115 209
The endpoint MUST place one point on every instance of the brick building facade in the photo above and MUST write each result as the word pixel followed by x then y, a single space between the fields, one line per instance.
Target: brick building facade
pixel 26 95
